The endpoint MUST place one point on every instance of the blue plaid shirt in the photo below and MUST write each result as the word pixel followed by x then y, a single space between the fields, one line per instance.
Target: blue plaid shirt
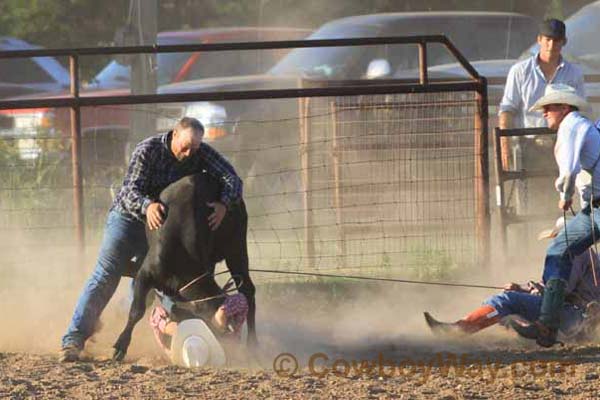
pixel 153 167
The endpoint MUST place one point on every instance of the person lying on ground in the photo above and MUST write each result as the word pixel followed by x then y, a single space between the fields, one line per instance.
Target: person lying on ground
pixel 181 340
pixel 579 314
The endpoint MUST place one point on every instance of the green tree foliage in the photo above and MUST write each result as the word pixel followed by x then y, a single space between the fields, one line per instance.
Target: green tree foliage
pixel 63 24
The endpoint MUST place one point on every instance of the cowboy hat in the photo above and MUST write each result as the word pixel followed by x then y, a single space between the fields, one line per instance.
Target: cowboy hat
pixel 194 345
pixel 552 233
pixel 559 93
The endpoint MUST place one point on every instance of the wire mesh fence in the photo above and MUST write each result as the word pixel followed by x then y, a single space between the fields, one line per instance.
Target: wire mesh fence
pixel 392 180
pixel 371 175
pixel 349 183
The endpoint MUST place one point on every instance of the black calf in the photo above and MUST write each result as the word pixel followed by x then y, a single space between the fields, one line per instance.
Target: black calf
pixel 185 248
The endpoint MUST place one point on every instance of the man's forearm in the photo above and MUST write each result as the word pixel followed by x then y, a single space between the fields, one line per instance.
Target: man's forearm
pixel 506 120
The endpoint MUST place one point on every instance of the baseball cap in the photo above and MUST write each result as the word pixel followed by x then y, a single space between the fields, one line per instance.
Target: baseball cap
pixel 553 28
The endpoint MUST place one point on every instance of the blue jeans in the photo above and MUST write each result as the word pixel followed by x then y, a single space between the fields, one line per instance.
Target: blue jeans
pixel 529 305
pixel 577 239
pixel 124 238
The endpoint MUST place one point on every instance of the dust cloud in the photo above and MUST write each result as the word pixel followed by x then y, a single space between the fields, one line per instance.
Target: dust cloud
pixel 40 285
pixel 40 281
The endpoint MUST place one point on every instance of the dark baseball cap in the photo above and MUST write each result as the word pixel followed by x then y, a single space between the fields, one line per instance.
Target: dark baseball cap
pixel 553 28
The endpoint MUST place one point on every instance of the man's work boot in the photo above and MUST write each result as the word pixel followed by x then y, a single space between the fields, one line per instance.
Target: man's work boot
pixel 69 353
pixel 545 329
pixel 475 321
pixel 544 335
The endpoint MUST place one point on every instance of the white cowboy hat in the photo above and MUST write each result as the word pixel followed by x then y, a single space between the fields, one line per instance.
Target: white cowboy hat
pixel 559 93
pixel 552 233
pixel 194 345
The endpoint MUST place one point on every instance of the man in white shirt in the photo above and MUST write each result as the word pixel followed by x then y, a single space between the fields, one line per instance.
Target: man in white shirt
pixel 527 80
pixel 577 149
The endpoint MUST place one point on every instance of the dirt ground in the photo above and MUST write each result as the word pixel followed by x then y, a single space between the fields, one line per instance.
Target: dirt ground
pixel 502 374
pixel 373 344
pixel 349 339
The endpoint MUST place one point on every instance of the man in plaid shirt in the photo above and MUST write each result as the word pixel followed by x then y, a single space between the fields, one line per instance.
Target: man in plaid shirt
pixel 156 162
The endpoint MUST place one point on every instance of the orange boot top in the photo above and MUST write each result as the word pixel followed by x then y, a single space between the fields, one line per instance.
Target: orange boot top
pixel 480 318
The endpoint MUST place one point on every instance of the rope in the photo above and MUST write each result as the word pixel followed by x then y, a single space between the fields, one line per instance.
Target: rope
pixel 593 225
pixel 190 283
pixel 366 278
pixel 566 235
pixel 227 287
pixel 218 296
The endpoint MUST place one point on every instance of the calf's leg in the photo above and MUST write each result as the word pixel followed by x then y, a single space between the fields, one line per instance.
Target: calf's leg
pixel 249 290
pixel 141 288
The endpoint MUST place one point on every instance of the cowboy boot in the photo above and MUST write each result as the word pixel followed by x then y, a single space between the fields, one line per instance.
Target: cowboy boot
pixel 480 318
pixel 545 329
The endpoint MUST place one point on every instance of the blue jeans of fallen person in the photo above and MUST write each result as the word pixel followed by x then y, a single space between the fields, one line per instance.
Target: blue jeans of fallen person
pixel 570 242
pixel 124 238
pixel 528 306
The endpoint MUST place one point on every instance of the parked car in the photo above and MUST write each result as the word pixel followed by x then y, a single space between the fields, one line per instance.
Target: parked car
pixel 19 76
pixel 106 129
pixel 178 67
pixel 261 136
pixel 499 35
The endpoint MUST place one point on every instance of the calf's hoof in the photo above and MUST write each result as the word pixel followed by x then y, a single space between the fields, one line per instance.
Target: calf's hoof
pixel 121 346
pixel 119 355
